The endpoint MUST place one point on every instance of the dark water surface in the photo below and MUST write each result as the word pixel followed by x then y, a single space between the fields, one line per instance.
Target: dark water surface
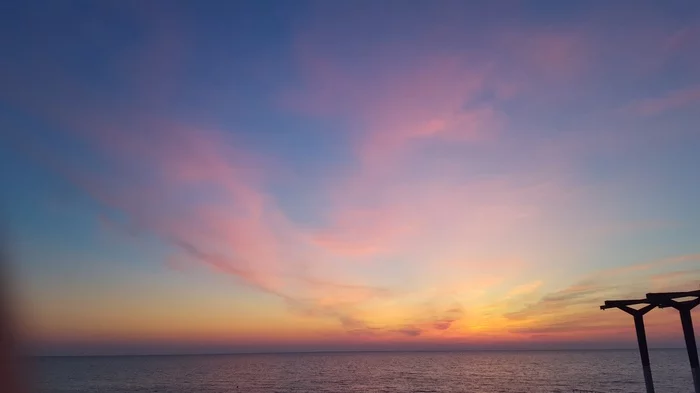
pixel 478 372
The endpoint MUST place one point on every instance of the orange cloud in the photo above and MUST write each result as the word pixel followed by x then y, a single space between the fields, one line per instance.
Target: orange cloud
pixel 525 289
pixel 573 311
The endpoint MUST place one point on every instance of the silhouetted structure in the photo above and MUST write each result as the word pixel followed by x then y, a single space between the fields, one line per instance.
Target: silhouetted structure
pixel 663 300
pixel 638 315
pixel 670 299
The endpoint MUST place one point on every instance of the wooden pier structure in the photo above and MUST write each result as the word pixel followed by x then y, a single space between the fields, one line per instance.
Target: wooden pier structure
pixel 684 302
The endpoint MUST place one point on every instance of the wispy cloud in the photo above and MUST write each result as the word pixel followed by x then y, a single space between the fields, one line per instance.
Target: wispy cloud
pixel 525 289
pixel 571 309
pixel 687 97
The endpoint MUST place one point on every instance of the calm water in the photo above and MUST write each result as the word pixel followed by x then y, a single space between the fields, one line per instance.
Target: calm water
pixel 478 372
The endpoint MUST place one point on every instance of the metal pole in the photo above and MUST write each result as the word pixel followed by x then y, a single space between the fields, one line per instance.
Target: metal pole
pixel 643 350
pixel 690 345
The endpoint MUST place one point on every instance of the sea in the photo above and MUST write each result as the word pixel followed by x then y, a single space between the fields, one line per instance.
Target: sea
pixel 471 371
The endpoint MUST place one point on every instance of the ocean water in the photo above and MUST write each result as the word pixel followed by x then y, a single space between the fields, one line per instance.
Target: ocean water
pixel 475 372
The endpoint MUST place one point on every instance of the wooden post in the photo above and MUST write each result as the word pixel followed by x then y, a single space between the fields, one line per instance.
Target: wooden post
pixel 641 333
pixel 643 348
pixel 683 307
pixel 691 346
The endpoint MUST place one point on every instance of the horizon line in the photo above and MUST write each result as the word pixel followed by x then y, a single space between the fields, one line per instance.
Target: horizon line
pixel 356 351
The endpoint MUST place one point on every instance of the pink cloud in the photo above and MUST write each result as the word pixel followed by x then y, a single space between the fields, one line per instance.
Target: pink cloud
pixel 192 187
pixel 453 125
pixel 397 102
pixel 553 56
pixel 419 214
pixel 395 111
pixel 684 38
pixel 364 232
pixel 394 101
pixel 675 99
pixel 196 190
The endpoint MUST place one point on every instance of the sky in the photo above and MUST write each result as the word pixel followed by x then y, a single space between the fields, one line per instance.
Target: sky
pixel 193 177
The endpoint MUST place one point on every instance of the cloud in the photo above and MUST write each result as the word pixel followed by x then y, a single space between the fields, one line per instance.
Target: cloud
pixel 571 310
pixel 442 325
pixel 447 318
pixel 415 117
pixel 394 99
pixel 525 289
pixel 193 187
pixel 603 283
pixel 556 302
pixel 199 192
pixel 684 38
pixel 549 56
pixel 409 331
pixel 406 213
pixel 675 99
pixel 572 325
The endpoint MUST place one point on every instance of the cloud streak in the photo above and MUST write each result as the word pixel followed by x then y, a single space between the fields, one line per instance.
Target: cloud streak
pixel 571 309
pixel 675 99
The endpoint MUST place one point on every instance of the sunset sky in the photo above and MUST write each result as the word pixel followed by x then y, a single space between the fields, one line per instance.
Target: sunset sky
pixel 337 175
